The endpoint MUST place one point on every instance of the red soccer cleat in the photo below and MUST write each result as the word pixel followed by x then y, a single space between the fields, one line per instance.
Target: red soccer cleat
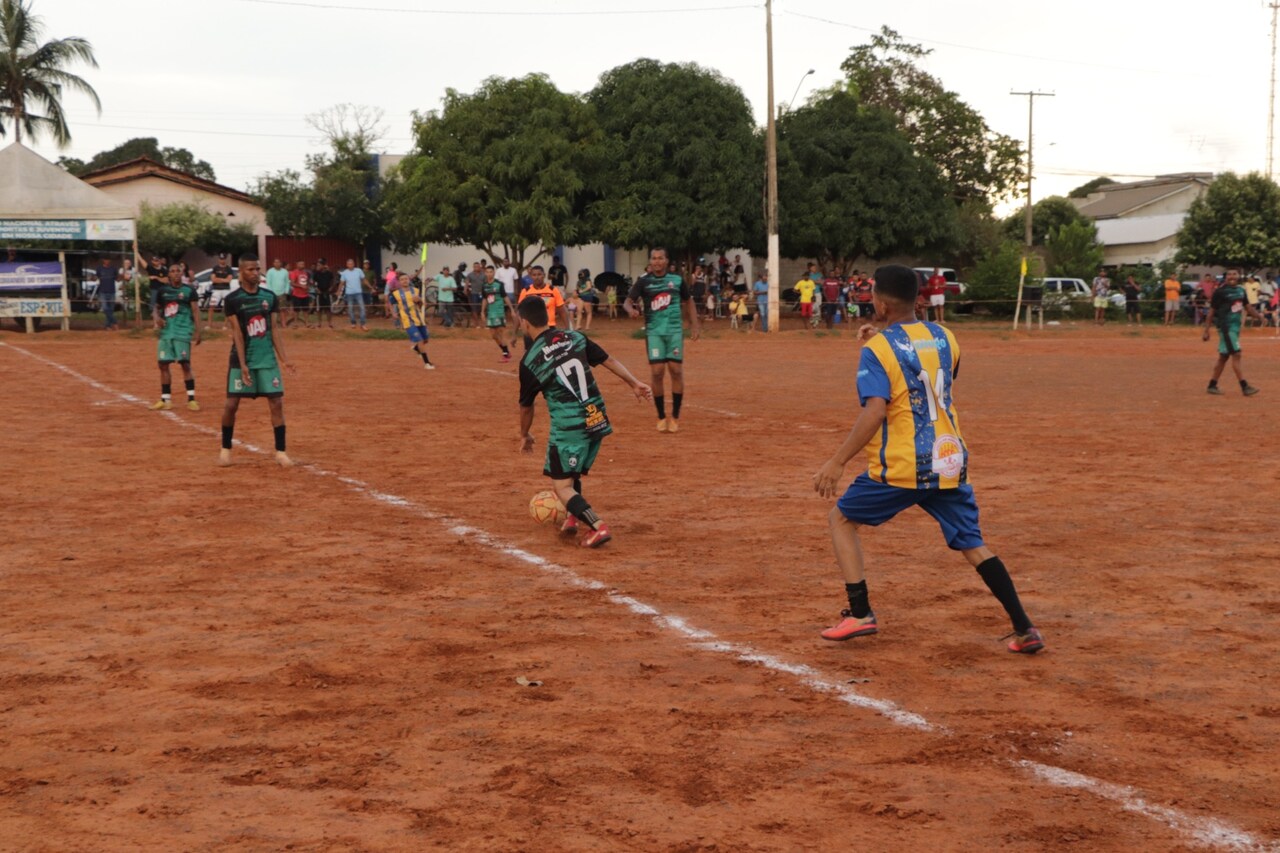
pixel 597 537
pixel 1028 643
pixel 849 627
pixel 570 526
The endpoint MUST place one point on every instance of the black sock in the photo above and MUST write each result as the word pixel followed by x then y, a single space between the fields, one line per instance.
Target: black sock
pixel 996 576
pixel 582 510
pixel 280 438
pixel 505 351
pixel 577 485
pixel 1213 383
pixel 676 400
pixel 191 389
pixel 1243 385
pixel 425 360
pixel 166 391
pixel 859 607
pixel 662 406
pixel 226 436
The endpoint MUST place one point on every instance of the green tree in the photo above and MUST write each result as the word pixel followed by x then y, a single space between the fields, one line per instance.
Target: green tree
pixel 995 279
pixel 978 234
pixel 1074 250
pixel 341 196
pixel 1084 189
pixel 503 169
pixel 143 146
pixel 1233 224
pixel 690 185
pixel 973 160
pixel 1048 214
pixel 173 229
pixel 850 185
pixel 35 74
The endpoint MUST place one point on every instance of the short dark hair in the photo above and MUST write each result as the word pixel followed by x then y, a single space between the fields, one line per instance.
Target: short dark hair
pixel 663 250
pixel 537 267
pixel 896 282
pixel 533 310
pixel 249 257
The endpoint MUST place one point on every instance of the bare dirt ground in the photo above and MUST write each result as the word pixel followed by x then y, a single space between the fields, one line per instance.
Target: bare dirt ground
pixel 252 658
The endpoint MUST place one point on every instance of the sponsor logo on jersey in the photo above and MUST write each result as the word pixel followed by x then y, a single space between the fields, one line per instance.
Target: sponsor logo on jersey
pixel 573 461
pixel 662 300
pixel 170 309
pixel 948 456
pixel 257 326
pixel 275 382
pixel 553 349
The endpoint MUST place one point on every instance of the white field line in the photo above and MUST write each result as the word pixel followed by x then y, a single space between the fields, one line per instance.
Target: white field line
pixel 1202 831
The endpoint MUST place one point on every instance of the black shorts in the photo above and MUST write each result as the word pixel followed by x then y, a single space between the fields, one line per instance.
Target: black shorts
pixel 1131 307
pixel 299 301
pixel 325 299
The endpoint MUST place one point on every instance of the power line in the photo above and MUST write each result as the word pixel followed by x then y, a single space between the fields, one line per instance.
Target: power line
pixel 312 136
pixel 991 50
pixel 530 13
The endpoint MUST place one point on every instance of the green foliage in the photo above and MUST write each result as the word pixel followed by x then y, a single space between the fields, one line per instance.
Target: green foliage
pixel 143 146
pixel 341 198
pixel 35 75
pixel 1084 189
pixel 1233 224
pixel 1074 250
pixel 502 169
pixel 850 185
pixel 1048 214
pixel 172 229
pixel 977 233
pixel 973 160
pixel 995 278
pixel 668 181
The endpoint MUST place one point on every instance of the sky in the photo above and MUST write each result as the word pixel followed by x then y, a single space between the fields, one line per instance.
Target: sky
pixel 1136 93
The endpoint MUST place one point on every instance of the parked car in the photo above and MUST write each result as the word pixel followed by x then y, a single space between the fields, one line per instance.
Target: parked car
pixel 954 286
pixel 1060 292
pixel 211 296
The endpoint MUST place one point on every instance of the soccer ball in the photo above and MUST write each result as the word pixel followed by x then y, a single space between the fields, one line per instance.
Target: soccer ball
pixel 546 508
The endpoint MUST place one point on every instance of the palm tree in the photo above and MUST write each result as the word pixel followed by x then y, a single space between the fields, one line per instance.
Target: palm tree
pixel 34 73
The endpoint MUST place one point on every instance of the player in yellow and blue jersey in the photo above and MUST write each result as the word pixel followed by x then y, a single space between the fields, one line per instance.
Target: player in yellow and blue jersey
pixel 407 301
pixel 916 456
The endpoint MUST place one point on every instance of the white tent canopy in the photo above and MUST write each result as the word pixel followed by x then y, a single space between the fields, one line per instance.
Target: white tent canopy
pixel 40 201
pixel 33 188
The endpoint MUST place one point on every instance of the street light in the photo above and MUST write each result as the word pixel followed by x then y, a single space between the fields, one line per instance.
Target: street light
pixel 791 103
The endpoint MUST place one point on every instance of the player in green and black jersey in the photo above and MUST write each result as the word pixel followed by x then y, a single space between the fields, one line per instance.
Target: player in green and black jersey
pixel 496 305
pixel 558 366
pixel 1226 313
pixel 665 295
pixel 250 313
pixel 173 314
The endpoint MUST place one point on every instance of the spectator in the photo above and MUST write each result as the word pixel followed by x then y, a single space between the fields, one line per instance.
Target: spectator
pixel 446 287
pixel 559 276
pixel 507 275
pixel 1132 307
pixel 475 289
pixel 936 288
pixel 831 298
pixel 107 277
pixel 1252 289
pixel 219 279
pixel 1172 294
pixel 353 285
pixel 1101 290
pixel 277 282
pixel 761 290
pixel 299 294
pixel 1266 296
pixel 862 289
pixel 698 290
pixel 371 282
pixel 804 290
pixel 611 300
pixel 739 275
pixel 390 280
pixel 588 297
pixel 322 276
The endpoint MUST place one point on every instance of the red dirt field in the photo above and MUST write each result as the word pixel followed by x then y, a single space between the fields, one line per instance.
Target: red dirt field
pixel 252 658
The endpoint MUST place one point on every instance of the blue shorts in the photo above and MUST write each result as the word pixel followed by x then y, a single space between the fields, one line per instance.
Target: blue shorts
pixel 417 334
pixel 871 503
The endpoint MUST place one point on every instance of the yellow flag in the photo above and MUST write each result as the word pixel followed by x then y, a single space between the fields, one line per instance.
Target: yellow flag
pixel 1024 262
pixel 424 255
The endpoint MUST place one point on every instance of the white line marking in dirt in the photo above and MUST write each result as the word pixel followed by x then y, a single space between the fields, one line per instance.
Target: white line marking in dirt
pixel 1205 831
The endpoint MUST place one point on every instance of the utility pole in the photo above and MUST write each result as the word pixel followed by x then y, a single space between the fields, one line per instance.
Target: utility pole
pixel 1022 279
pixel 1031 108
pixel 771 176
pixel 1271 102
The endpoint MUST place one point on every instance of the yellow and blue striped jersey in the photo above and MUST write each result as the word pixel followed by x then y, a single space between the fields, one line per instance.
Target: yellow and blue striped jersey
pixel 919 446
pixel 408 311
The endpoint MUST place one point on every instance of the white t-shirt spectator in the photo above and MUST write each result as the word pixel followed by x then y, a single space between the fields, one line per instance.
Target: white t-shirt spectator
pixel 507 275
